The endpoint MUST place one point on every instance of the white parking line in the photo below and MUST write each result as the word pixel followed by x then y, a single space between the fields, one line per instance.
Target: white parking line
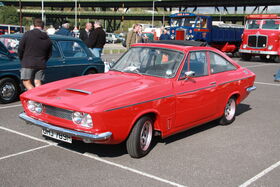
pixel 11 106
pixel 25 135
pixel 270 84
pixel 260 65
pixel 261 174
pixel 133 170
pixel 87 155
pixel 23 152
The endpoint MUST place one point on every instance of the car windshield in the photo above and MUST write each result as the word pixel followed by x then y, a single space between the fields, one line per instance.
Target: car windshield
pixel 253 24
pixel 11 44
pixel 271 24
pixel 150 61
pixel 186 22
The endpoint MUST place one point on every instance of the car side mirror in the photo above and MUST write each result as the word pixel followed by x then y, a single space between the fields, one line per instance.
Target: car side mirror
pixel 187 75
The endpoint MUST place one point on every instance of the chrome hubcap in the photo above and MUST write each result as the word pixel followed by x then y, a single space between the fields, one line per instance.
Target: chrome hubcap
pixel 7 91
pixel 146 135
pixel 230 109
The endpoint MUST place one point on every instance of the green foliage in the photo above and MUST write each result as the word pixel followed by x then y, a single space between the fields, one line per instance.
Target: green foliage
pixel 9 15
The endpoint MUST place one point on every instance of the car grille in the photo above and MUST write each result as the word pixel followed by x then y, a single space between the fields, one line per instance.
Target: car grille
pixel 257 41
pixel 58 112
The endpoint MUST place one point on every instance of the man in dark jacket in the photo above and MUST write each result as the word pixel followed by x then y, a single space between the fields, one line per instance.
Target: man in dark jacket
pixel 35 48
pixel 86 35
pixel 99 39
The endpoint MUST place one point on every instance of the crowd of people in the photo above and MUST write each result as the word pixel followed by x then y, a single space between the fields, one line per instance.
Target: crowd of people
pixel 35 47
pixel 136 35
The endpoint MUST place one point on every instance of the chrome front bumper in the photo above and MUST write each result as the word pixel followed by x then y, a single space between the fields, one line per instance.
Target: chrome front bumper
pixel 252 88
pixel 258 52
pixel 93 137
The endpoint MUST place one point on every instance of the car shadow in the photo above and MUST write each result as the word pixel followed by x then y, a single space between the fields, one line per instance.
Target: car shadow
pixel 118 150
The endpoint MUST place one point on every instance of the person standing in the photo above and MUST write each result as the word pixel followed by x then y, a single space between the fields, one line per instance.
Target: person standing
pixel 133 36
pixel 86 35
pixel 99 39
pixel 64 29
pixel 165 35
pixel 35 48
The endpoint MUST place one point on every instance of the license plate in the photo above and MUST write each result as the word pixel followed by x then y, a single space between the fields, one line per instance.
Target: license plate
pixel 57 135
pixel 255 52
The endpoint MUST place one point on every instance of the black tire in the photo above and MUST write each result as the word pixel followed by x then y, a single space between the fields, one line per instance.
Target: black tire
pixel 245 56
pixel 140 139
pixel 9 90
pixel 90 71
pixel 263 58
pixel 229 112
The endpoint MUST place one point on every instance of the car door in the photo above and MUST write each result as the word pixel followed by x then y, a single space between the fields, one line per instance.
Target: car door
pixel 76 60
pixel 55 65
pixel 9 62
pixel 195 96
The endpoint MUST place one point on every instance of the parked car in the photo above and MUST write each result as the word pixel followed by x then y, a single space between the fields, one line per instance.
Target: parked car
pixel 153 89
pixel 111 38
pixel 70 58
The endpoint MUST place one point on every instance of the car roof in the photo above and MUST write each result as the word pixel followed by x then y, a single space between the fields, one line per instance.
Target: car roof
pixel 53 36
pixel 176 45
pixel 181 42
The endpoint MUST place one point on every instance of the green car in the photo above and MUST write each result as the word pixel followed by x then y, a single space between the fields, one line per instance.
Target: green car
pixel 70 58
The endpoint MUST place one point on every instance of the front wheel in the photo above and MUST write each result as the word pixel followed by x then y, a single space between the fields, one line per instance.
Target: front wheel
pixel 9 90
pixel 139 141
pixel 229 112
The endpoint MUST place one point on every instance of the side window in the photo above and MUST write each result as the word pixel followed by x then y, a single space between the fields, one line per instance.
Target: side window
pixel 55 51
pixel 196 62
pixel 72 49
pixel 219 64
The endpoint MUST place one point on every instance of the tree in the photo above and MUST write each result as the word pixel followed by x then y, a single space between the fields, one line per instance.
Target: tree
pixel 9 15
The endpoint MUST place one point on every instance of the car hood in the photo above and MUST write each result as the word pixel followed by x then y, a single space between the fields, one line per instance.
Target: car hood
pixel 101 92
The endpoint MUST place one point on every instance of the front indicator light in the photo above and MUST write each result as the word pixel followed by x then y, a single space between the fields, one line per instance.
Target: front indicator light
pixel 34 107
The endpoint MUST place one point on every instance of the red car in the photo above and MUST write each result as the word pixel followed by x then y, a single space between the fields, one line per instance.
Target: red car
pixel 153 89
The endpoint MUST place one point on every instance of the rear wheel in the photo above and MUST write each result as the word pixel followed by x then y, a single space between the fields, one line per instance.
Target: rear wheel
pixel 139 141
pixel 9 90
pixel 229 112
pixel 245 56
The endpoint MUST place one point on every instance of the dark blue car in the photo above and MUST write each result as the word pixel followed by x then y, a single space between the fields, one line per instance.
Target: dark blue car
pixel 70 58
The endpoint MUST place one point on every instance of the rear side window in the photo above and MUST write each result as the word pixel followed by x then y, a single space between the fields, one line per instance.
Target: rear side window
pixel 72 49
pixel 219 64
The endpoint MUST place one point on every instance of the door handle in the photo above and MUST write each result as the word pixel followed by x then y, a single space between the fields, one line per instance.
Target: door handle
pixel 212 83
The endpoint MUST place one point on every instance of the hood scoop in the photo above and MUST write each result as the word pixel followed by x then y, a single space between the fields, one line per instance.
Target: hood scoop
pixel 79 91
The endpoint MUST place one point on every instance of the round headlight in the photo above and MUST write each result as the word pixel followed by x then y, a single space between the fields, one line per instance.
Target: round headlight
pixel 87 122
pixel 35 107
pixel 77 117
pixel 270 47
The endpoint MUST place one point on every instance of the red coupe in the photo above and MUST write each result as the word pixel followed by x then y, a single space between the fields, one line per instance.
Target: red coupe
pixel 153 89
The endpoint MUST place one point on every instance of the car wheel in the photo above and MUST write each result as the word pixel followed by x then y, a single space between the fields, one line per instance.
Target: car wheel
pixel 9 90
pixel 90 71
pixel 139 141
pixel 245 56
pixel 229 112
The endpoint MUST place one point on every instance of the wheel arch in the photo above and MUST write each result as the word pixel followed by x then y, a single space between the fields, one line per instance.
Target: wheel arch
pixel 90 68
pixel 150 113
